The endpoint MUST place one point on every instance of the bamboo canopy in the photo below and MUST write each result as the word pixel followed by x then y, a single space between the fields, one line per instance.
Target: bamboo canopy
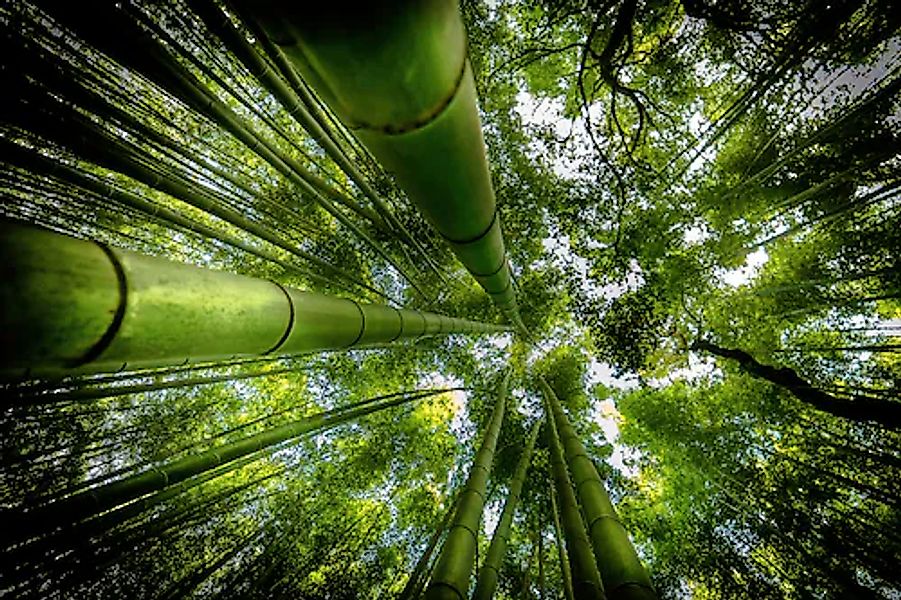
pixel 72 305
pixel 401 80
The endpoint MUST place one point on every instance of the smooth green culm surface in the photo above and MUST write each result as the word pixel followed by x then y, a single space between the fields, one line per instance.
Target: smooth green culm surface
pixel 488 574
pixel 453 569
pixel 76 306
pixel 622 573
pixel 415 110
pixel 585 578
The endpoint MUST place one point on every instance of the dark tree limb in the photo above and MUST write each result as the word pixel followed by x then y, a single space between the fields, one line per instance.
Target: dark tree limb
pixel 885 412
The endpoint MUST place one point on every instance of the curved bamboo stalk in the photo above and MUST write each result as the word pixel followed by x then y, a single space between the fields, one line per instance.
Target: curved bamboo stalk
pixel 450 579
pixel 488 574
pixel 95 393
pixel 72 305
pixel 621 570
pixel 419 120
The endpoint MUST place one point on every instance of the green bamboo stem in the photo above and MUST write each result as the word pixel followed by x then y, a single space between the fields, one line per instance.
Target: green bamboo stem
pixel 565 572
pixel 384 217
pixel 420 572
pixel 200 97
pixel 80 381
pixel 450 579
pixel 86 138
pixel 183 154
pixel 585 580
pixel 122 38
pixel 420 120
pixel 880 94
pixel 97 500
pixel 70 305
pixel 621 571
pixel 488 574
pixel 79 535
pixel 89 394
pixel 270 79
pixel 312 105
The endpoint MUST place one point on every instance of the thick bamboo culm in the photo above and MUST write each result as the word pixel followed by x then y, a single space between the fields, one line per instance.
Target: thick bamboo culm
pixel 585 581
pixel 415 110
pixel 71 305
pixel 622 573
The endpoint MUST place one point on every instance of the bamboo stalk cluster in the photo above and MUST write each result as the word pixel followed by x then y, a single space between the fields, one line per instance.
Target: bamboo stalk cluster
pixel 74 306
pixel 599 561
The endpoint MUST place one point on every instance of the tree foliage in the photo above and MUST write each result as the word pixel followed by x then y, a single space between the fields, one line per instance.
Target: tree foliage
pixel 700 205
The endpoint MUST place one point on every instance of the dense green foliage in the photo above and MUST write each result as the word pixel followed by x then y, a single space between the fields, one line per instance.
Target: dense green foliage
pixel 700 205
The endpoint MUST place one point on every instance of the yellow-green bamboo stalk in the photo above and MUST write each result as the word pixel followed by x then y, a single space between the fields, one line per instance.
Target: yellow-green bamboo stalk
pixel 621 570
pixel 488 574
pixel 586 580
pixel 450 579
pixel 399 77
pixel 70 305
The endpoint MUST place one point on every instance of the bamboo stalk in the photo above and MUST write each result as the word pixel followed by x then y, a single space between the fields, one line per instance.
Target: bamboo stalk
pixel 621 570
pixel 488 574
pixel 95 501
pixel 420 120
pixel 453 569
pixel 71 305
pixel 585 579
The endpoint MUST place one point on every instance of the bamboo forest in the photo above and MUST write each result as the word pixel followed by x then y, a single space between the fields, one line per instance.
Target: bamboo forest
pixel 450 299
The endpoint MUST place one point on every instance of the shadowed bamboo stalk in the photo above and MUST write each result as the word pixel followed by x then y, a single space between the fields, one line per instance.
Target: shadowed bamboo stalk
pixel 401 80
pixel 585 582
pixel 450 580
pixel 861 408
pixel 70 305
pixel 621 570
pixel 51 554
pixel 21 526
pixel 488 574
pixel 67 396
pixel 565 572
